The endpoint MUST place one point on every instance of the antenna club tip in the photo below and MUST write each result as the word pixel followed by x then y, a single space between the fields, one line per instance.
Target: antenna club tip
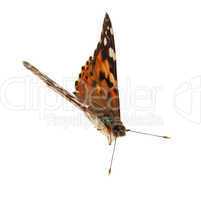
pixel 167 137
pixel 109 172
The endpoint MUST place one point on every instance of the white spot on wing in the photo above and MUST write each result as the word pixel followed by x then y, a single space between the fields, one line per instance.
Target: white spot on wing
pixel 112 53
pixel 105 41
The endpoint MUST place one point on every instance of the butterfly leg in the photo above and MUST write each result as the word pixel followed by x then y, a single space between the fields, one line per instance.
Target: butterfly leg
pixel 54 86
pixel 109 137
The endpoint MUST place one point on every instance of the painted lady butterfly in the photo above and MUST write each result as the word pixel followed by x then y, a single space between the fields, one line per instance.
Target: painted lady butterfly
pixel 96 90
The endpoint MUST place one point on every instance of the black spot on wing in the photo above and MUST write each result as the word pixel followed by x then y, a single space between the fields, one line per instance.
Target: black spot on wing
pixel 113 67
pixel 104 54
pixel 101 76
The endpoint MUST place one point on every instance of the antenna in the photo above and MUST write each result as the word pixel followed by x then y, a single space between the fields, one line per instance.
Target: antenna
pixel 150 134
pixel 111 161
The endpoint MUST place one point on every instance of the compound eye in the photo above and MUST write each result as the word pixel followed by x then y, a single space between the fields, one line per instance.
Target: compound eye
pixel 119 130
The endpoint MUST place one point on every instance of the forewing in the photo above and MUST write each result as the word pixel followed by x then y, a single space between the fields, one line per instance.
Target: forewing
pixel 97 83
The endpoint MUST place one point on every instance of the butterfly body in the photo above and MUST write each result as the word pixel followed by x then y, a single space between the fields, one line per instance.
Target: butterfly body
pixel 107 124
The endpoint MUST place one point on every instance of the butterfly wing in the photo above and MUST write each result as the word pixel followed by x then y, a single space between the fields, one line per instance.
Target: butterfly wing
pixel 97 83
pixel 55 86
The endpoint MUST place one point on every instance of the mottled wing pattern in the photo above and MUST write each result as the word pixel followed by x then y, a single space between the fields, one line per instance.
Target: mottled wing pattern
pixel 97 83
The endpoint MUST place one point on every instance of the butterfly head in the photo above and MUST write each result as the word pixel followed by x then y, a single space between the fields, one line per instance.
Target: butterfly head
pixel 119 130
pixel 116 127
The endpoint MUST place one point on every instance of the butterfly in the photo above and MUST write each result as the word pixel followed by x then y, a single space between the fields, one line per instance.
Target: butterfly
pixel 96 89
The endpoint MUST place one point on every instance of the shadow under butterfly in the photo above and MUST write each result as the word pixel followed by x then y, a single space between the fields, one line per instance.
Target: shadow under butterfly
pixel 96 90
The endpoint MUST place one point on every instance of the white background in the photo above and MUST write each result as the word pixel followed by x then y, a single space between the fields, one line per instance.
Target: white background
pixel 49 150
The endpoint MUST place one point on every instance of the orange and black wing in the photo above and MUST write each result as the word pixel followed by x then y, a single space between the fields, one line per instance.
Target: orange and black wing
pixel 97 83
